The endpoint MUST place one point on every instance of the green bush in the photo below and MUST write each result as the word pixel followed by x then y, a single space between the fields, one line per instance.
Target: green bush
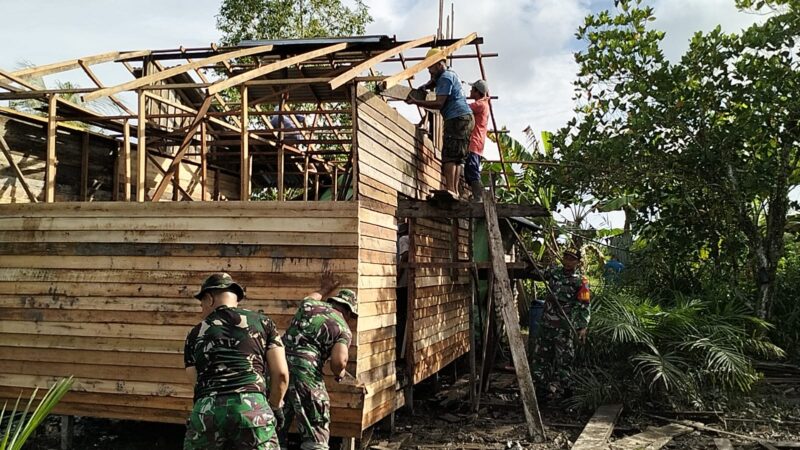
pixel 786 309
pixel 688 354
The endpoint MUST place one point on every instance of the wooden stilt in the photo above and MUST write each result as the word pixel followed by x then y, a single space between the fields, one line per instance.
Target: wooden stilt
pixel 51 163
pixel 505 302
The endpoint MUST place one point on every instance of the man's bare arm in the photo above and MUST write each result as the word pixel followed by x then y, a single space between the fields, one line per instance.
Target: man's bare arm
pixel 430 104
pixel 278 375
pixel 339 356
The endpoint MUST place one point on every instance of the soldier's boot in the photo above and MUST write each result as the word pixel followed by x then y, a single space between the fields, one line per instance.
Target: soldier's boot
pixel 477 191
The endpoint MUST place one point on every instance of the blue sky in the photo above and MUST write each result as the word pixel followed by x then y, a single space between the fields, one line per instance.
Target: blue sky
pixel 535 39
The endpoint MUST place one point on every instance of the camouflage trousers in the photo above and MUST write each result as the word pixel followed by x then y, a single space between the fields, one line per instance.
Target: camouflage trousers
pixel 553 357
pixel 231 422
pixel 307 401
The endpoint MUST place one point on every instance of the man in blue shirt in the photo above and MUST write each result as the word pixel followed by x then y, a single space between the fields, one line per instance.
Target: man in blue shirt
pixel 458 120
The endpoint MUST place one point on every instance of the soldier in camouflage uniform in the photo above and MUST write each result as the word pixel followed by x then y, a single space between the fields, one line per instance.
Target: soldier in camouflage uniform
pixel 227 355
pixel 554 353
pixel 318 331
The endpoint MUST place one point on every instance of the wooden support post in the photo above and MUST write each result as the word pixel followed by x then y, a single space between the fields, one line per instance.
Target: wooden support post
pixel 488 340
pixel 305 178
pixel 84 190
pixel 7 153
pixel 335 195
pixel 203 161
pixel 67 432
pixel 280 162
pixel 141 148
pixel 472 363
pixel 126 161
pixel 216 185
pixel 411 301
pixel 509 312
pixel 354 145
pixel 244 161
pixel 50 167
pixel 316 186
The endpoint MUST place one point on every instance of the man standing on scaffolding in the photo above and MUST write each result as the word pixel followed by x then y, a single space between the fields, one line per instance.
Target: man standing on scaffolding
pixel 458 119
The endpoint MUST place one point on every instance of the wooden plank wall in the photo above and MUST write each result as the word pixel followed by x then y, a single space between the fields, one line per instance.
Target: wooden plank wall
pixel 395 158
pixel 102 291
pixel 442 297
pixel 377 270
pixel 26 137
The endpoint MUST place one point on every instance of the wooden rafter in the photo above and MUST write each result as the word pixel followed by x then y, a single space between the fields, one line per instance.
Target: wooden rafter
pixel 427 62
pixel 150 79
pixel 49 69
pixel 162 186
pixel 92 76
pixel 269 68
pixel 377 59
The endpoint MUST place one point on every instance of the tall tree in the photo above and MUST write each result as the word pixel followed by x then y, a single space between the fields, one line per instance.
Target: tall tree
pixel 287 19
pixel 708 146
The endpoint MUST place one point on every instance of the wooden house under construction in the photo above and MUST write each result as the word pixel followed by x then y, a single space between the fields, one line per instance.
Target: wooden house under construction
pixel 110 221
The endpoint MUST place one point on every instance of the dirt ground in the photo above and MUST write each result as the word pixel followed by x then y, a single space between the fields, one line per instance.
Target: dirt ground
pixel 442 420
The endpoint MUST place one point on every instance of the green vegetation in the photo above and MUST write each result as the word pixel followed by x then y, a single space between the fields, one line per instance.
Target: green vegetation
pixel 281 19
pixel 701 155
pixel 18 425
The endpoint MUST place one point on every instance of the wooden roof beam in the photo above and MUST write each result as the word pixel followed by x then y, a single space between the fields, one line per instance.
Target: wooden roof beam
pixel 427 62
pixel 158 76
pixel 269 68
pixel 377 59
pixel 70 64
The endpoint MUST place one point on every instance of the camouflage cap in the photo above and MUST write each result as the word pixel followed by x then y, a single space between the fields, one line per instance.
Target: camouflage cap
pixel 220 280
pixel 348 298
pixel 573 252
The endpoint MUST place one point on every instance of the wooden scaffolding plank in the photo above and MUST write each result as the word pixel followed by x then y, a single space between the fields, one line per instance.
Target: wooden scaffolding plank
pixel 508 309
pixel 596 433
pixel 427 62
pixel 158 76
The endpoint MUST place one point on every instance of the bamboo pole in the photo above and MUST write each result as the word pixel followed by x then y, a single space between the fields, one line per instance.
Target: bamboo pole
pixel 126 161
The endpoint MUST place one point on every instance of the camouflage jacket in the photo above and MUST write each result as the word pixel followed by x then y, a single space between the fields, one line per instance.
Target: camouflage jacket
pixel 315 329
pixel 228 349
pixel 566 288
